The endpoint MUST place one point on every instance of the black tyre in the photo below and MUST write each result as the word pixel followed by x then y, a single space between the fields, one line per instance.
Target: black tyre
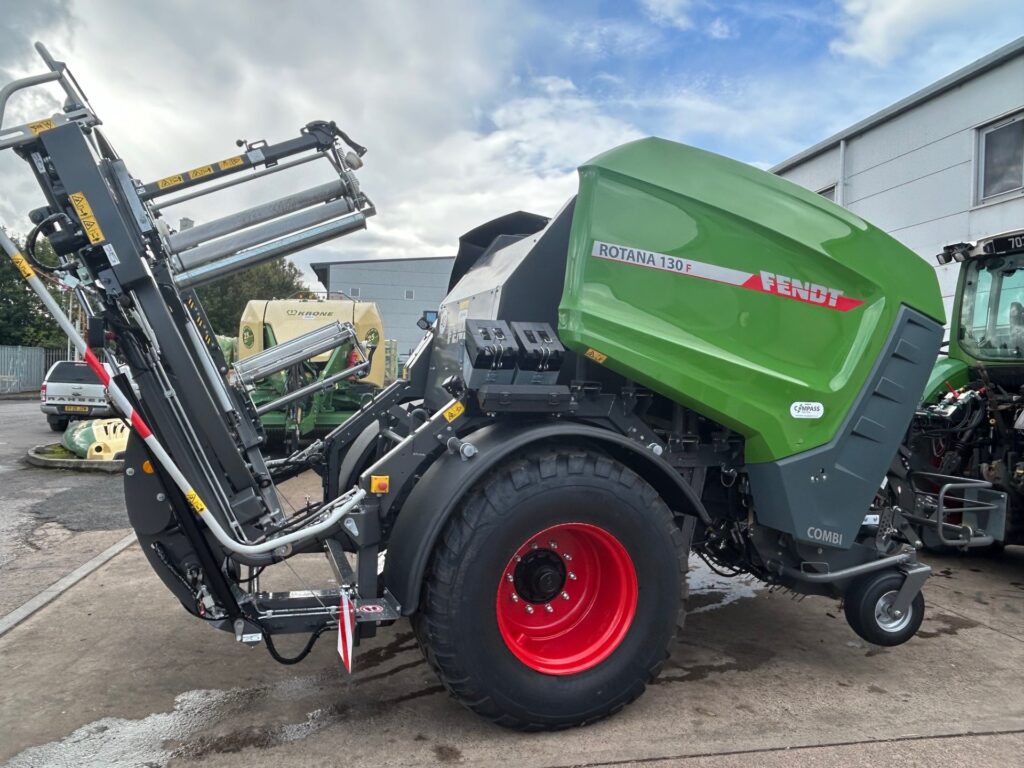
pixel 868 604
pixel 555 591
pixel 57 425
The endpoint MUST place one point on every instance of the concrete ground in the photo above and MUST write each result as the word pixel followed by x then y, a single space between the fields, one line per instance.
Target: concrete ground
pixel 51 521
pixel 115 673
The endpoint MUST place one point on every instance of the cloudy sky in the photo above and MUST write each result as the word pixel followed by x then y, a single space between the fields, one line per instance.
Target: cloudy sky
pixel 471 108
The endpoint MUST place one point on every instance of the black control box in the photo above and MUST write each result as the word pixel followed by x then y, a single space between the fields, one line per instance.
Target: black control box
pixel 540 353
pixel 491 353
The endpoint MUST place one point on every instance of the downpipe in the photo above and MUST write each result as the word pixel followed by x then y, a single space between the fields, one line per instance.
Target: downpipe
pixel 338 507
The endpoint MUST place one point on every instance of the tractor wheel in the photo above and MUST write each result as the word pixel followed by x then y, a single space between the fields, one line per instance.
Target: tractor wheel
pixel 555 591
pixel 868 607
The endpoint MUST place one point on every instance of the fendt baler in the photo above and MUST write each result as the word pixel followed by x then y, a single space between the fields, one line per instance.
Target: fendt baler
pixel 691 355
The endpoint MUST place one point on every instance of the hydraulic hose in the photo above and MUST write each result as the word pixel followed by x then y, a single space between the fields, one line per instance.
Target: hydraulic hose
pixel 338 508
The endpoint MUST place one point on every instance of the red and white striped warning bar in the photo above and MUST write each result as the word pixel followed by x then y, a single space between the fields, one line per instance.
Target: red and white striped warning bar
pixel 117 397
pixel 763 282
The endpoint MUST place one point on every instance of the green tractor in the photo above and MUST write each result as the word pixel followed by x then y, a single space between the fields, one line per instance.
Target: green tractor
pixel 970 423
pixel 329 401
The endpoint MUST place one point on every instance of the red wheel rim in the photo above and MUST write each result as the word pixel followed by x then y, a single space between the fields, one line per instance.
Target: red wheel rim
pixel 567 598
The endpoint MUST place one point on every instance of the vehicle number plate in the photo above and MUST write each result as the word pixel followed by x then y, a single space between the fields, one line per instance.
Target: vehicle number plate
pixel 76 409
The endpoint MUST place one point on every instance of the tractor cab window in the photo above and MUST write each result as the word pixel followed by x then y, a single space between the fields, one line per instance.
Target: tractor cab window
pixel 992 316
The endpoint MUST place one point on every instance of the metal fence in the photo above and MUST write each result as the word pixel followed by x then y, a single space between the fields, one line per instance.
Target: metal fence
pixel 22 368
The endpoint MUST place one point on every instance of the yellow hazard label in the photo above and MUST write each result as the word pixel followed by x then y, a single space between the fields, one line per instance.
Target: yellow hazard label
pixel 380 483
pixel 454 412
pixel 231 162
pixel 170 181
pixel 87 217
pixel 193 499
pixel 596 356
pixel 23 266
pixel 42 125
pixel 198 173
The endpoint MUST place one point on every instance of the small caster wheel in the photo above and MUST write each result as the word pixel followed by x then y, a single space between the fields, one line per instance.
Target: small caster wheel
pixel 869 611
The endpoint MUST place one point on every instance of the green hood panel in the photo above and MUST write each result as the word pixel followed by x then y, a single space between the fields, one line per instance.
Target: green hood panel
pixel 741 295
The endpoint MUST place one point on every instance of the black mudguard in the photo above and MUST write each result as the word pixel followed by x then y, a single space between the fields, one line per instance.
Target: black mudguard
pixel 438 492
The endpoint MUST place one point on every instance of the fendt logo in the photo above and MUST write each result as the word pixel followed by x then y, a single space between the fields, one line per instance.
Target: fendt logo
pixel 812 293
pixel 762 282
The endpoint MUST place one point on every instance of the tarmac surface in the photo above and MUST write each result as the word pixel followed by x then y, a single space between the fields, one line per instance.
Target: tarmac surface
pixel 115 673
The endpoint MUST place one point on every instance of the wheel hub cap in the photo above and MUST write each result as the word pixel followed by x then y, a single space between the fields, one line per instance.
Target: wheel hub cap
pixel 566 598
pixel 886 618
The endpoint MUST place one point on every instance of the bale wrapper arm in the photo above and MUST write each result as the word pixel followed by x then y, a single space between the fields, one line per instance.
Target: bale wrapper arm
pixel 205 505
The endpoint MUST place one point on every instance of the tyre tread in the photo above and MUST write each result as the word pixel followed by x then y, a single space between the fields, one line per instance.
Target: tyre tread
pixel 482 507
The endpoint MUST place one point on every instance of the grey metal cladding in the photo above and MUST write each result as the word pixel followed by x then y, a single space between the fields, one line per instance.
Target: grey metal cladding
pixel 820 496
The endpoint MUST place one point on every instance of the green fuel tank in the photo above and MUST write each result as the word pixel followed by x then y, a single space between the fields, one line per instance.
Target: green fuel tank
pixel 748 298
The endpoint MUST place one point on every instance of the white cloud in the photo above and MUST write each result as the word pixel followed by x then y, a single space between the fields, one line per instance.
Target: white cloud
pixel 720 29
pixel 879 31
pixel 670 13
pixel 601 38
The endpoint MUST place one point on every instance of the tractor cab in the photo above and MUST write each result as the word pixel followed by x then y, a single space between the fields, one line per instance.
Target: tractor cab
pixel 987 320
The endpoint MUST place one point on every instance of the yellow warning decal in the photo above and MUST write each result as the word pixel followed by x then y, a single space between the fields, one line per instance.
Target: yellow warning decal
pixel 170 181
pixel 454 412
pixel 231 162
pixel 596 356
pixel 198 173
pixel 87 217
pixel 23 266
pixel 42 125
pixel 193 499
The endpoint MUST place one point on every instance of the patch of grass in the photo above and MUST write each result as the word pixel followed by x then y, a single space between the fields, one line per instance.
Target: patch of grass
pixel 55 451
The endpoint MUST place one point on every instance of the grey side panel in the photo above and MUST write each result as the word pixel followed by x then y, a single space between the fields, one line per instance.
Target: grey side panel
pixel 821 496
pixel 512 280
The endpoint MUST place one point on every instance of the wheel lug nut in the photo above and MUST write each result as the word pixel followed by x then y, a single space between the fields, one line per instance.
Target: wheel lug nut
pixel 529 609
pixel 515 598
pixel 553 544
pixel 548 608
pixel 572 576
pixel 508 577
pixel 519 559
pixel 565 595
pixel 534 545
pixel 567 556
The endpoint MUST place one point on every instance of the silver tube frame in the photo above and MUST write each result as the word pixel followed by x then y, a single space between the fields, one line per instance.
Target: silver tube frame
pixel 282 247
pixel 226 225
pixel 255 236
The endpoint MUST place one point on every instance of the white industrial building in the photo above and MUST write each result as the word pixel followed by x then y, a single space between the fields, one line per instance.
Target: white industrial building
pixel 403 290
pixel 943 165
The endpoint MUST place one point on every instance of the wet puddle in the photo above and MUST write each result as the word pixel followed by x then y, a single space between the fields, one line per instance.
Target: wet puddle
pixel 205 722
pixel 710 591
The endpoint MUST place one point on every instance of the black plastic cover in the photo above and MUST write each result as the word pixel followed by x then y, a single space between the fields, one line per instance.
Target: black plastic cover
pixel 490 345
pixel 539 347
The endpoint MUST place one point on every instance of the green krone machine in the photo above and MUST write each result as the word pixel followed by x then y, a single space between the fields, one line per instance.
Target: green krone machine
pixel 267 323
pixel 970 423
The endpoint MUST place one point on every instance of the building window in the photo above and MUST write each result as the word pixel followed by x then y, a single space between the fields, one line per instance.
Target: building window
pixel 829 193
pixel 409 293
pixel 353 292
pixel 1001 158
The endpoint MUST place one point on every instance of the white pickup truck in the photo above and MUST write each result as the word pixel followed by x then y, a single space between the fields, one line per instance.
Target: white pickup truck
pixel 70 391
